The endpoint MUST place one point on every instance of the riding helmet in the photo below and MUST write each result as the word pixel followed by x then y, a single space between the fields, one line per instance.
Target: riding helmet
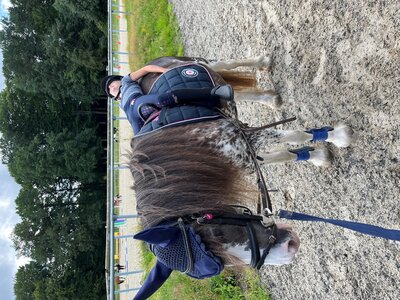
pixel 105 83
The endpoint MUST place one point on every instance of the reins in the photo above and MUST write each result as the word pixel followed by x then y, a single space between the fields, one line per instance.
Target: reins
pixel 377 231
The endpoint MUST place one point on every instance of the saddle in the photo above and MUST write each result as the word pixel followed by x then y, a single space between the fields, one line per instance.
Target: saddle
pixel 177 116
pixel 188 76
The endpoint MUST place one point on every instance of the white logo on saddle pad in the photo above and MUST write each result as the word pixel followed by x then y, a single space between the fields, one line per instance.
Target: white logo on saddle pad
pixel 189 72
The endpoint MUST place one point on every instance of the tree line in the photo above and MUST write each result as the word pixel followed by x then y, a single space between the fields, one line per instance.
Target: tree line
pixel 55 55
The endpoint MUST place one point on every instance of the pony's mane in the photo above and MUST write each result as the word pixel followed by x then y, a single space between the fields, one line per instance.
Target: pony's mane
pixel 177 174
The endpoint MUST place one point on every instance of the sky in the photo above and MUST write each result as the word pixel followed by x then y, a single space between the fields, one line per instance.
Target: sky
pixel 8 218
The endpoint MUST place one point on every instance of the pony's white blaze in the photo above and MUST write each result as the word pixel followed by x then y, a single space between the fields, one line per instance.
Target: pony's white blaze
pixel 282 253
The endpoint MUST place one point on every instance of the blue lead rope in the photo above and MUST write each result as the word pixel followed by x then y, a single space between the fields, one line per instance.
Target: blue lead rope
pixel 390 234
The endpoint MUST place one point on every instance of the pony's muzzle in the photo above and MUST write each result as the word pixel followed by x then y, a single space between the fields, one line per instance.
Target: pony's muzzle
pixel 286 247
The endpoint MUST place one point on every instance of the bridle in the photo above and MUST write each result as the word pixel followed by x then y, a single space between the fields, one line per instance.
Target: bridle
pixel 244 219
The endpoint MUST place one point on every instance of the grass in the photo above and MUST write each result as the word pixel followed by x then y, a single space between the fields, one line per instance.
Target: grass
pixel 153 31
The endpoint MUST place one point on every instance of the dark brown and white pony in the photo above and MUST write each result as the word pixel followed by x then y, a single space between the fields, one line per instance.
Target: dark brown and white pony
pixel 180 171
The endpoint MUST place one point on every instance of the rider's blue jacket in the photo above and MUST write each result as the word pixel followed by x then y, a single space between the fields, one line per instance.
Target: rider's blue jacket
pixel 132 99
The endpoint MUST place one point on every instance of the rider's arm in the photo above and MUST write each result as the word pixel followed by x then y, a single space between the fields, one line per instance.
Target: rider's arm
pixel 145 70
pixel 130 88
pixel 137 108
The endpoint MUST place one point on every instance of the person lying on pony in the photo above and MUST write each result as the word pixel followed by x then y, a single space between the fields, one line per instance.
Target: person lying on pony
pixel 139 107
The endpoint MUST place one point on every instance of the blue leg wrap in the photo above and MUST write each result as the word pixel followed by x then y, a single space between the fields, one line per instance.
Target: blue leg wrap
pixel 320 134
pixel 302 153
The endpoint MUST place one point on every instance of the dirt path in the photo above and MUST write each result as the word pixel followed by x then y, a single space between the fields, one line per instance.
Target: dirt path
pixel 333 62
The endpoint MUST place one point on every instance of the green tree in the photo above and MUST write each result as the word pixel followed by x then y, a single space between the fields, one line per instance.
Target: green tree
pixel 56 156
pixel 54 57
pixel 29 279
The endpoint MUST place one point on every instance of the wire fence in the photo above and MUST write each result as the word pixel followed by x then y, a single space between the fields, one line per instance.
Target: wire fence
pixel 114 219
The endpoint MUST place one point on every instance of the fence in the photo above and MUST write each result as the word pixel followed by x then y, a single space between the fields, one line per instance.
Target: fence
pixel 113 9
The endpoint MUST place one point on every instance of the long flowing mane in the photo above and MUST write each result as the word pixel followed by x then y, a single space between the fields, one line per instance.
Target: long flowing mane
pixel 177 174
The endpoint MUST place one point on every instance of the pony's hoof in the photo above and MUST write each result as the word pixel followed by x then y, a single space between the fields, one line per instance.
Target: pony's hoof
pixel 321 157
pixel 276 101
pixel 273 100
pixel 341 136
pixel 263 62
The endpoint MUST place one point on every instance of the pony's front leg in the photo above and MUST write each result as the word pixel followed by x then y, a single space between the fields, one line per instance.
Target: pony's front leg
pixel 268 97
pixel 341 135
pixel 260 62
pixel 319 157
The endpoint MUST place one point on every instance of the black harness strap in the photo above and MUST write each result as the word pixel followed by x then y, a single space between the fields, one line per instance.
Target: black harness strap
pixel 229 219
pixel 271 242
pixel 254 129
pixel 255 249
pixel 265 200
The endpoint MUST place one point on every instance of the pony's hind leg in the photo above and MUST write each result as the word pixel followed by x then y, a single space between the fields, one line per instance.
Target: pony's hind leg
pixel 260 62
pixel 321 157
pixel 268 97
pixel 245 82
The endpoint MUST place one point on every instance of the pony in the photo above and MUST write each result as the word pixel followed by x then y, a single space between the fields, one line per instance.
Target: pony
pixel 206 166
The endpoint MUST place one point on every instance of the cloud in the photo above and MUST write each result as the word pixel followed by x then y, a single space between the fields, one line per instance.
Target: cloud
pixel 5 4
pixel 7 280
pixel 9 262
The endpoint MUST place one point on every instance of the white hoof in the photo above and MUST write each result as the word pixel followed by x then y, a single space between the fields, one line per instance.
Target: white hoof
pixel 263 62
pixel 341 136
pixel 320 157
pixel 276 102
pixel 271 99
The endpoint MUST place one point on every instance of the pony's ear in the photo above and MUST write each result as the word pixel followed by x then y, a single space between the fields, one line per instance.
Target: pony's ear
pixel 159 235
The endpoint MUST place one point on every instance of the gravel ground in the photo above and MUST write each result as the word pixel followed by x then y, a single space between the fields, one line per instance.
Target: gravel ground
pixel 333 62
